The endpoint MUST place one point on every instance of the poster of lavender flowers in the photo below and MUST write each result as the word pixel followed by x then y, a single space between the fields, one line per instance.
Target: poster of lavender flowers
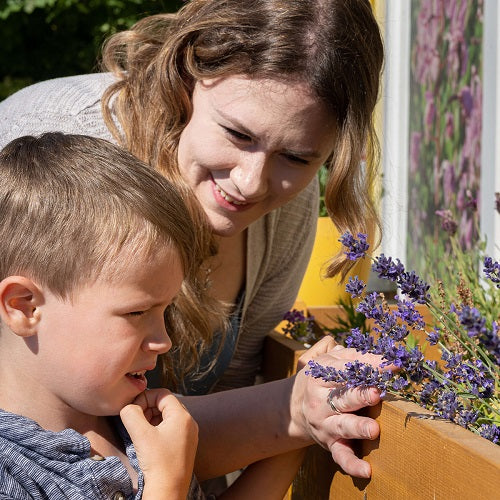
pixel 445 120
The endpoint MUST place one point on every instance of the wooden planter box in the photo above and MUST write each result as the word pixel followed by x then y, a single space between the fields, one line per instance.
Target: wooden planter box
pixel 415 457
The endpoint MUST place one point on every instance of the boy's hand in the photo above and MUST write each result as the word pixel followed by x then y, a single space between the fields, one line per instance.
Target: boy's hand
pixel 165 438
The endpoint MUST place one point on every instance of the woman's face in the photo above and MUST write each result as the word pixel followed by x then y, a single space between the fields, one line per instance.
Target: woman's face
pixel 250 146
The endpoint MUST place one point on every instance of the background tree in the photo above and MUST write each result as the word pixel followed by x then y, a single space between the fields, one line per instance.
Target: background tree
pixel 44 39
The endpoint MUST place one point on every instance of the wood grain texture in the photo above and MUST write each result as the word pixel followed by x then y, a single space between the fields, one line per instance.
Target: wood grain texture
pixel 421 458
pixel 415 457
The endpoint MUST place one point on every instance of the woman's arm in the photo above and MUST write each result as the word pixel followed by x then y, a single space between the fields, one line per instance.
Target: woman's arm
pixel 268 479
pixel 242 426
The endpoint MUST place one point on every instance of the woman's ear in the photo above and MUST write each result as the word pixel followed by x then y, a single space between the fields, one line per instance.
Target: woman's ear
pixel 20 300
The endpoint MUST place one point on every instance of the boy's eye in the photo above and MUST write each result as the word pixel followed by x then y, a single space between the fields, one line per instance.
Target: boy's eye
pixel 136 313
pixel 237 135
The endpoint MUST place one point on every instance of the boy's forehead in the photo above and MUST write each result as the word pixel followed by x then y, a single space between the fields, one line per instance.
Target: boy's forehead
pixel 133 264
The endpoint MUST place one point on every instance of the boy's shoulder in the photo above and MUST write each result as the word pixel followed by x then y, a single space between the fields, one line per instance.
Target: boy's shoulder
pixel 36 463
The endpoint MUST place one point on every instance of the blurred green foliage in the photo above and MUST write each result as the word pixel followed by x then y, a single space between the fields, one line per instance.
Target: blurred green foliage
pixel 44 39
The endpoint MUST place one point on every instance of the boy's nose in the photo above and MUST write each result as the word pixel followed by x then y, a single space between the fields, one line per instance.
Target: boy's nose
pixel 159 341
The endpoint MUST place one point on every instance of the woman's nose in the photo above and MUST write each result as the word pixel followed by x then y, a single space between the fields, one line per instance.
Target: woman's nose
pixel 251 175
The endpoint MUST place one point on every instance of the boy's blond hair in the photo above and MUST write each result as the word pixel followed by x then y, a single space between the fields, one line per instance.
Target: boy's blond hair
pixel 74 207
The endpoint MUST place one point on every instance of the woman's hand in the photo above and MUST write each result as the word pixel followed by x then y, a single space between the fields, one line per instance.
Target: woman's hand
pixel 165 438
pixel 242 426
pixel 314 417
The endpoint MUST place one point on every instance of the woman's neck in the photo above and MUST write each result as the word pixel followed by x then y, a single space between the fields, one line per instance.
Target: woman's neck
pixel 228 267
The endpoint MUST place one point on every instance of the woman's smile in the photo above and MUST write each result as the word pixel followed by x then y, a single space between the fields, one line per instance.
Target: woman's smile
pixel 229 198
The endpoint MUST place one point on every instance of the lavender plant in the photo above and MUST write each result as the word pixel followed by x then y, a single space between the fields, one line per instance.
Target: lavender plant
pixel 464 385
pixel 300 327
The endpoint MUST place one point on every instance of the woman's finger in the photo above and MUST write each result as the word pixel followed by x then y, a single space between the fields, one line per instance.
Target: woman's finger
pixel 344 456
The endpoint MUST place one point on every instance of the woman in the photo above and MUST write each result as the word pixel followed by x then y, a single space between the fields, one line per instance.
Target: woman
pixel 242 101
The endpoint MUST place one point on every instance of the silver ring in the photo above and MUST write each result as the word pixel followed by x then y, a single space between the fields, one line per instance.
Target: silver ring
pixel 329 400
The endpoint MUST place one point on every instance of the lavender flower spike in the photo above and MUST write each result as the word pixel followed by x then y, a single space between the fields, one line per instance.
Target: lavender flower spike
pixel 356 248
pixel 355 287
pixel 492 270
pixel 386 268
pixel 414 287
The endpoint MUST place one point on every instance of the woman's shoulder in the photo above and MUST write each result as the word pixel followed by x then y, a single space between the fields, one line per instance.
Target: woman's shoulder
pixel 73 92
pixel 60 104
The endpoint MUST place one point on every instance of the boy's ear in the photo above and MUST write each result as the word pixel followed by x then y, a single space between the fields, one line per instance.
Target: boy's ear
pixel 20 300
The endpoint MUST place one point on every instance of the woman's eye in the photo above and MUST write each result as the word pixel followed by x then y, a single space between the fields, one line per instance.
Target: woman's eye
pixel 237 135
pixel 296 159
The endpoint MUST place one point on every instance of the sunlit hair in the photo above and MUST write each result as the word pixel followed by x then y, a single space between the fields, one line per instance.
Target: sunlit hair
pixel 76 209
pixel 334 46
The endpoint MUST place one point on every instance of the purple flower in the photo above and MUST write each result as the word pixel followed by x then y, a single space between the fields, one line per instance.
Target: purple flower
pixel 467 228
pixel 466 418
pixel 452 360
pixel 356 248
pixel 433 336
pixel 355 374
pixel 428 390
pixel 471 201
pixel 465 382
pixel 467 101
pixel 294 316
pixel 415 288
pixel 370 308
pixel 355 287
pixel 471 319
pixel 473 376
pixel 490 341
pixel 360 341
pixel 448 223
pixel 386 268
pixel 447 405
pixel 399 332
pixel 492 270
pixel 399 383
pixel 387 347
pixel 385 323
pixel 299 327
pixel 497 202
pixel 490 431
pixel 407 312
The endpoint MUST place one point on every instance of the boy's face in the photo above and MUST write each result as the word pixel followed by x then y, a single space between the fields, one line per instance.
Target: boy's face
pixel 94 350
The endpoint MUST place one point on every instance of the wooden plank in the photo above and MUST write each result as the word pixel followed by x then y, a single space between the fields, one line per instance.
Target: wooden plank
pixel 281 355
pixel 421 458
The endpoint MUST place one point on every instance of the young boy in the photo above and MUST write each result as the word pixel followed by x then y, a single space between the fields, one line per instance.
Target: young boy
pixel 94 248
